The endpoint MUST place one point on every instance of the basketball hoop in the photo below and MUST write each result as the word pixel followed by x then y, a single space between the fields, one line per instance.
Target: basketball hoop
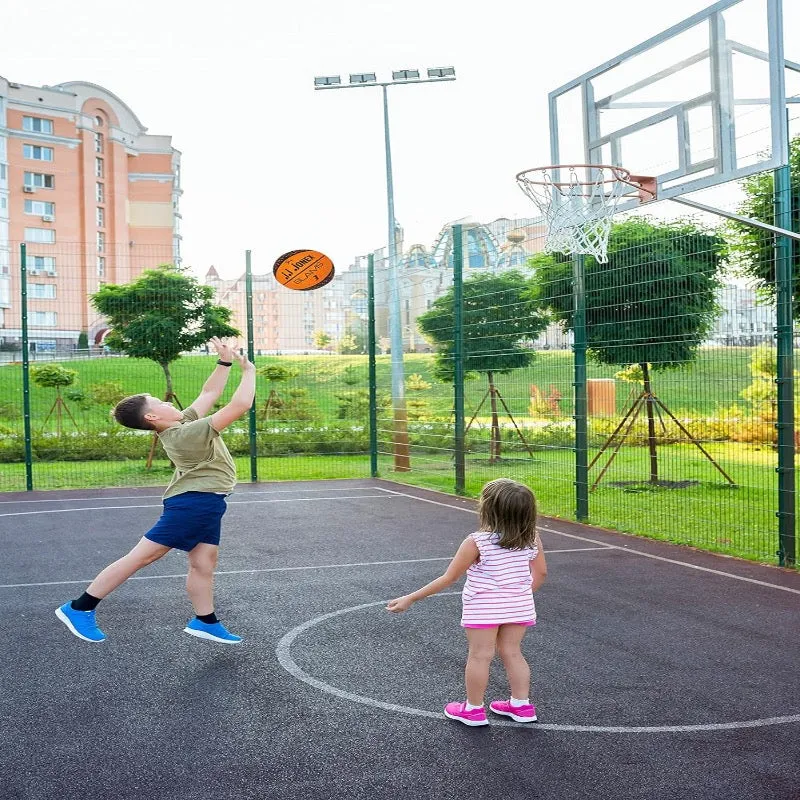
pixel 579 205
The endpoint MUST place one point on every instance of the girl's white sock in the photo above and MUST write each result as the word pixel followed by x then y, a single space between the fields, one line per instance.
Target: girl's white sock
pixel 470 707
pixel 525 702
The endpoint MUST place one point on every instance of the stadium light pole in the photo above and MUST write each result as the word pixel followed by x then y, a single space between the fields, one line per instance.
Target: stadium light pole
pixel 359 81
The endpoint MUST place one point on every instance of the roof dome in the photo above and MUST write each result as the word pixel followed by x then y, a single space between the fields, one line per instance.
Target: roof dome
pixel 480 249
pixel 418 257
pixel 513 257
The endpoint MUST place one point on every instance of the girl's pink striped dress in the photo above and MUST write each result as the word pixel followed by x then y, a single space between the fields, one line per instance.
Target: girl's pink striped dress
pixel 498 586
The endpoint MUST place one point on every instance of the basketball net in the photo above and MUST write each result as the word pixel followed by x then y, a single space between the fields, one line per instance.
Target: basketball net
pixel 578 208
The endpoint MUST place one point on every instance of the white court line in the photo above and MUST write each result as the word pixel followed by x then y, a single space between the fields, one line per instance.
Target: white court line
pixel 619 548
pixel 232 503
pixel 306 568
pixel 158 496
pixel 283 652
pixel 393 493
pixel 679 563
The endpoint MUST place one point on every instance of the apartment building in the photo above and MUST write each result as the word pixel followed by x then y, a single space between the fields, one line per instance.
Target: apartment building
pixel 92 196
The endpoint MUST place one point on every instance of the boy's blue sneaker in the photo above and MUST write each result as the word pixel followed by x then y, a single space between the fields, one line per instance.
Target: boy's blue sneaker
pixel 81 623
pixel 215 631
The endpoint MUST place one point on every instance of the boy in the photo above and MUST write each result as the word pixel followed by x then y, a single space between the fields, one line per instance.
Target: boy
pixel 194 501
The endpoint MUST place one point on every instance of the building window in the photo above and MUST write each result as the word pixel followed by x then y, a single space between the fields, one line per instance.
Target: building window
pixel 98 142
pixel 37 125
pixel 40 235
pixel 36 153
pixel 40 208
pixel 38 180
pixel 99 193
pixel 101 241
pixel 44 319
pixel 43 263
pixel 3 203
pixel 42 291
pixel 101 266
pixel 98 121
pixel 3 172
pixel 98 167
pixel 100 213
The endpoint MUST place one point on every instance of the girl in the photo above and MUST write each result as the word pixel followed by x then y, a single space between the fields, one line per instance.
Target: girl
pixel 505 565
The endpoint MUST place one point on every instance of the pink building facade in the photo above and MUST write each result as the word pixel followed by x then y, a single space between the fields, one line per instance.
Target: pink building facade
pixel 92 195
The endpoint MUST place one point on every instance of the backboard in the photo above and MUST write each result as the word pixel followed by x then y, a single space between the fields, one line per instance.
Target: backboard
pixel 700 104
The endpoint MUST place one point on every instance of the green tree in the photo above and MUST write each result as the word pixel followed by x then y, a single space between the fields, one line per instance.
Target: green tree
pixel 54 376
pixel 352 342
pixel 762 393
pixel 653 303
pixel 275 375
pixel 83 341
pixel 498 318
pixel 161 314
pixel 321 340
pixel 755 247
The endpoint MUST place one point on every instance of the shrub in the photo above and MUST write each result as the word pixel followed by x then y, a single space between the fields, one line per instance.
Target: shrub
pixel 352 405
pixel 107 393
pixel 81 398
pixel 9 410
pixel 416 383
pixel 53 375
pixel 417 409
pixel 275 373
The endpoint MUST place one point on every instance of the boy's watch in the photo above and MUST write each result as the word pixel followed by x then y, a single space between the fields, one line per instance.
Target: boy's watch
pixel 224 363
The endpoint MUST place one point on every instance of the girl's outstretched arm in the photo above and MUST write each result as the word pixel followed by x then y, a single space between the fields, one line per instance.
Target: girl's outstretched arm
pixel 538 569
pixel 465 556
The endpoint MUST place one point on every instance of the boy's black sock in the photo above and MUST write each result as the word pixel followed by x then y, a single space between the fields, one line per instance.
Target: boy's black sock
pixel 86 602
pixel 209 619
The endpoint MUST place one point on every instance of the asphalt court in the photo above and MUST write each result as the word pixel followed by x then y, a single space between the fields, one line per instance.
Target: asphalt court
pixel 658 671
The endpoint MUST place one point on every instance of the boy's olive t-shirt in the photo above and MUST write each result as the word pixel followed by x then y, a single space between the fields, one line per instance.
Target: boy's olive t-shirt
pixel 202 461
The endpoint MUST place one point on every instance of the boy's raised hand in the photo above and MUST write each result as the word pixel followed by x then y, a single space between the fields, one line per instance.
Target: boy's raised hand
pixel 244 363
pixel 225 350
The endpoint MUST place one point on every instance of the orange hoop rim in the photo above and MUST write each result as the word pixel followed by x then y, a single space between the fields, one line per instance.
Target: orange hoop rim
pixel 644 185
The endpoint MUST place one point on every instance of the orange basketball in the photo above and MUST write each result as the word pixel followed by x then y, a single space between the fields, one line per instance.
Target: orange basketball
pixel 303 270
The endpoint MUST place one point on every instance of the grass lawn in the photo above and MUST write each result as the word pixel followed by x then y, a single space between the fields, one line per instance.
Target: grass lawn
pixel 715 379
pixel 95 474
pixel 711 515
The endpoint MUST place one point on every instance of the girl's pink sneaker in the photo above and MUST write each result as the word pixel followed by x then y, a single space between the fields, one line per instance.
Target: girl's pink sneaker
pixel 472 718
pixel 525 713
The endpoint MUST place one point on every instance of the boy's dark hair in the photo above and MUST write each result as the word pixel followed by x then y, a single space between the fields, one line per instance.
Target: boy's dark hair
pixel 130 412
pixel 508 508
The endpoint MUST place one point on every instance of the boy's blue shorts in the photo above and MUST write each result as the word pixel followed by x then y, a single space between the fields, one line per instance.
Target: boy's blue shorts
pixel 189 519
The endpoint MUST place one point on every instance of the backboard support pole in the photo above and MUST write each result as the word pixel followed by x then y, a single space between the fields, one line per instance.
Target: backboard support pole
pixel 738 217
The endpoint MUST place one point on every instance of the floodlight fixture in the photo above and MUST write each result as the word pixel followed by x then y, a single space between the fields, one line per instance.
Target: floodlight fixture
pixel 362 77
pixel 405 74
pixel 328 80
pixel 441 72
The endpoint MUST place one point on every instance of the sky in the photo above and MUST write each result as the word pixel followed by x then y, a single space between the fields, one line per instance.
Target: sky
pixel 270 165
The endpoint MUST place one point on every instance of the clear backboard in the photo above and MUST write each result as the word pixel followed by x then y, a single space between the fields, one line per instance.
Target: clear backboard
pixel 700 104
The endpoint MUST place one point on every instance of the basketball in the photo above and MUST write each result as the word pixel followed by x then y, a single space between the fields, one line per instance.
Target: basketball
pixel 303 270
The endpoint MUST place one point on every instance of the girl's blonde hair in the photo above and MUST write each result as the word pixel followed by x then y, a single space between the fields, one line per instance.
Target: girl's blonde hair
pixel 508 508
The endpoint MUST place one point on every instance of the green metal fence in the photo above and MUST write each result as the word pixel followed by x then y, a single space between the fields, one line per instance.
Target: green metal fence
pixel 61 373
pixel 653 394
